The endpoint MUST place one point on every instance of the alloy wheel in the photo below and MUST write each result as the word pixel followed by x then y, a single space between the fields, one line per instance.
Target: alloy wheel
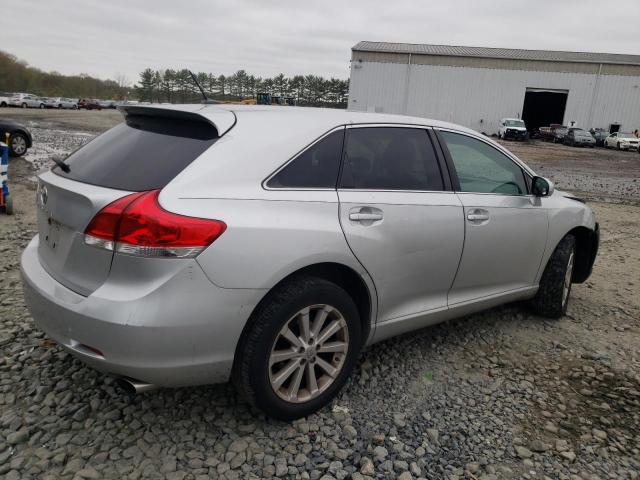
pixel 309 353
pixel 18 145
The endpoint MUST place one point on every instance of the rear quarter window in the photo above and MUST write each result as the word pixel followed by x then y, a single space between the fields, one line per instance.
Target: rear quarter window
pixel 316 167
pixel 142 153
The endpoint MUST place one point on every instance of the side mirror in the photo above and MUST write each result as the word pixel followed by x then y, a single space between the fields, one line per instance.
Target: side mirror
pixel 541 187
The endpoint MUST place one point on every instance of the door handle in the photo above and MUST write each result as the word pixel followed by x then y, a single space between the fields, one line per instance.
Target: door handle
pixel 358 217
pixel 478 215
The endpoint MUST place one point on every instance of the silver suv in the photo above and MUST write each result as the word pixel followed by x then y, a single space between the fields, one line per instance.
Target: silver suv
pixel 268 245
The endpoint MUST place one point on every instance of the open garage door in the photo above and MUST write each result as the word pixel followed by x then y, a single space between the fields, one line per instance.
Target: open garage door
pixel 543 107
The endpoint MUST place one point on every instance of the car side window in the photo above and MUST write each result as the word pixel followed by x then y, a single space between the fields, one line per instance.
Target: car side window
pixel 316 167
pixel 482 168
pixel 390 158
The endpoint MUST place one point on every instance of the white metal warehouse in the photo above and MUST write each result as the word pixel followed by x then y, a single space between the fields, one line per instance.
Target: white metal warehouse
pixel 476 86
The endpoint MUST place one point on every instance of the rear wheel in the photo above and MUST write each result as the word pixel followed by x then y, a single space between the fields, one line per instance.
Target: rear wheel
pixel 24 105
pixel 555 285
pixel 618 145
pixel 302 343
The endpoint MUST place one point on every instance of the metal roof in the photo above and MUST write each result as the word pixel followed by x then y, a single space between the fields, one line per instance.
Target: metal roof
pixel 504 53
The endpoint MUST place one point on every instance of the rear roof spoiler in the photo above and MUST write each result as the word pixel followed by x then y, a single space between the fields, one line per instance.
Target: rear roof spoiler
pixel 222 120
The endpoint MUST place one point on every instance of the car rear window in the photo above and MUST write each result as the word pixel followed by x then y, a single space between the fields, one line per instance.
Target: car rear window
pixel 142 153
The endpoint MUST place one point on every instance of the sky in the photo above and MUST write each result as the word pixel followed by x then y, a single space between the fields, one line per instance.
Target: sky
pixel 112 38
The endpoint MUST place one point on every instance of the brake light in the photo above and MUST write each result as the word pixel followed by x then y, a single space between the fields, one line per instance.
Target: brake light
pixel 138 225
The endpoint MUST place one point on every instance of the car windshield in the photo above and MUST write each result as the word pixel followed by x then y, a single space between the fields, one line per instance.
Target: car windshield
pixel 582 133
pixel 514 123
pixel 626 135
pixel 561 130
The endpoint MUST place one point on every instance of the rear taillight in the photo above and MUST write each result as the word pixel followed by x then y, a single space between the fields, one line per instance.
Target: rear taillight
pixel 138 225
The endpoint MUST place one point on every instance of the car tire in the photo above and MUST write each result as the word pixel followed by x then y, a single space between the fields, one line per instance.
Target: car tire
pixel 75 107
pixel 555 285
pixel 41 105
pixel 8 205
pixel 618 146
pixel 263 381
pixel 3 104
pixel 24 105
pixel 18 144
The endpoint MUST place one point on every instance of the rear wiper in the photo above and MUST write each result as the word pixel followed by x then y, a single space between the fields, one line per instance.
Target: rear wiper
pixel 63 166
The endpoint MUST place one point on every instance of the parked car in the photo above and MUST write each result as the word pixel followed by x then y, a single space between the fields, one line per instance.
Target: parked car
pixel 513 128
pixel 5 99
pixel 107 103
pixel 89 104
pixel 26 100
pixel 559 134
pixel 622 141
pixel 171 252
pixel 61 102
pixel 548 133
pixel 19 137
pixel 599 134
pixel 576 137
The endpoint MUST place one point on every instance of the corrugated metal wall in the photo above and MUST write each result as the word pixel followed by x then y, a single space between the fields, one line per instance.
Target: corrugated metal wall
pixel 480 97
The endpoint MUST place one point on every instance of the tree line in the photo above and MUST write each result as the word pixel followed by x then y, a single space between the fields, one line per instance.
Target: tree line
pixel 173 86
pixel 177 86
pixel 17 76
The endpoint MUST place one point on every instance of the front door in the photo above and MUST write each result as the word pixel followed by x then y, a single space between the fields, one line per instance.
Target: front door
pixel 505 227
pixel 400 223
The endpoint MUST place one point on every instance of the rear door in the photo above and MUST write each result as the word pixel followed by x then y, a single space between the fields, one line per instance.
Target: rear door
pixel 505 226
pixel 143 153
pixel 399 219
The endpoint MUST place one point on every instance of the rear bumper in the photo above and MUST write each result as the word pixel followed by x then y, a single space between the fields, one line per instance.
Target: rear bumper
pixel 175 330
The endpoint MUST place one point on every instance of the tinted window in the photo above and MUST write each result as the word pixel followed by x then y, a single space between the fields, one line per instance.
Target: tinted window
pixel 316 167
pixel 143 153
pixel 483 169
pixel 390 158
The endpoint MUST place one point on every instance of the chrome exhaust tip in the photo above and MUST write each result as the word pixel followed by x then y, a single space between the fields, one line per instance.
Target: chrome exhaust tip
pixel 132 386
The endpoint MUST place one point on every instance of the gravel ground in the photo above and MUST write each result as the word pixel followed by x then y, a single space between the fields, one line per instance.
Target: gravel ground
pixel 499 395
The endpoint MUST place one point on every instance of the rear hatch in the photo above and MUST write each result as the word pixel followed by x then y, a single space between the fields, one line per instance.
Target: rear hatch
pixel 143 153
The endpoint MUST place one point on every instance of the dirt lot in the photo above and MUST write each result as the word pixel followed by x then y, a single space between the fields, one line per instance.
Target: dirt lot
pixel 502 394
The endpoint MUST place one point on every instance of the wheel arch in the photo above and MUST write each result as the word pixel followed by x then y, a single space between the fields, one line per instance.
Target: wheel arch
pixel 340 274
pixel 587 241
pixel 586 249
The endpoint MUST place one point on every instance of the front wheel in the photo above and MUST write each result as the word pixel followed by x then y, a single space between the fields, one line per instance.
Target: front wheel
pixel 299 348
pixel 24 105
pixel 555 285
